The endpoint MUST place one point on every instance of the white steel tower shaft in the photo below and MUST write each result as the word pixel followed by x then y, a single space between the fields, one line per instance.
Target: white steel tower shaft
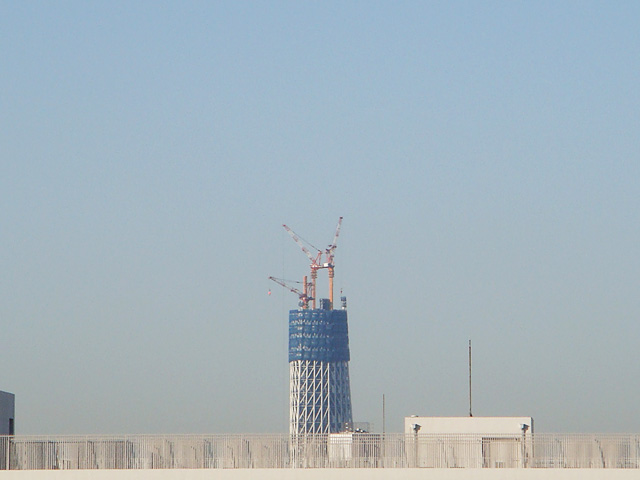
pixel 319 385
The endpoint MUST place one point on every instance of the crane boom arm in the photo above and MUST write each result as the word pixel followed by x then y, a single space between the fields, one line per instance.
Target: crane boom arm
pixel 303 296
pixel 334 244
pixel 288 287
pixel 296 238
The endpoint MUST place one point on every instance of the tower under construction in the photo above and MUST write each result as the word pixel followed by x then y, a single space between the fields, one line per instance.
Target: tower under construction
pixel 319 386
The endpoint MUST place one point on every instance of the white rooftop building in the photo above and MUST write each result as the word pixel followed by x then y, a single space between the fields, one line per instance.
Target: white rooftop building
pixel 468 425
pixel 470 442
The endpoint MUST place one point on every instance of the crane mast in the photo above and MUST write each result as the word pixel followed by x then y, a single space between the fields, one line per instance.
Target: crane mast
pixel 329 257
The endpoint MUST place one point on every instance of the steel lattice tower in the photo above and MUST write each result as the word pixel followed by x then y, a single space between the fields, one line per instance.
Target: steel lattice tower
pixel 319 387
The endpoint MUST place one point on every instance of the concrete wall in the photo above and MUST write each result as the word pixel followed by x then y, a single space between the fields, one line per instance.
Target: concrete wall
pixel 328 474
pixel 468 425
pixel 7 411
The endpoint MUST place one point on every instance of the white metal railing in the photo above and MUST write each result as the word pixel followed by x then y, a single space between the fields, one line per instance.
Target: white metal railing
pixel 344 450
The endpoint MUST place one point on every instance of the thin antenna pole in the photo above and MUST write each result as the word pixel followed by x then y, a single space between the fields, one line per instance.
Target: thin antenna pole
pixel 384 425
pixel 384 429
pixel 470 414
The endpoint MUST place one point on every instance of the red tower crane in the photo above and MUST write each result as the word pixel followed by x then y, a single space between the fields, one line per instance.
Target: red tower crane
pixel 316 261
pixel 303 296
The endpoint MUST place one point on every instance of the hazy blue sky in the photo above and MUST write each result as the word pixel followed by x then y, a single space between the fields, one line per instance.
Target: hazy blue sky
pixel 484 156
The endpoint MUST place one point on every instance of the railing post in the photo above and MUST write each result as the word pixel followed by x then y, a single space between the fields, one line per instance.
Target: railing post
pixel 416 428
pixel 524 428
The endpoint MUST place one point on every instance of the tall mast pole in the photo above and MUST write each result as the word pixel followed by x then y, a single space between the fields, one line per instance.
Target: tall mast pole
pixel 470 414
